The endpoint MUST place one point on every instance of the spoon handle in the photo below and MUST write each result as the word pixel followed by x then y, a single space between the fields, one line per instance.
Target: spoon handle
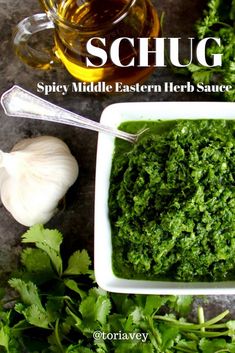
pixel 18 102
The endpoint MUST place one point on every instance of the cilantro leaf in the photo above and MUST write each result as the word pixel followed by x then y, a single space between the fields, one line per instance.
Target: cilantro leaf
pixel 186 346
pixel 4 338
pixel 96 306
pixel 47 240
pixel 38 234
pixel 200 74
pixel 71 284
pixel 32 307
pixel 216 345
pixel 28 291
pixel 36 316
pixel 137 315
pixel 94 310
pixel 123 303
pixel 54 308
pixel 37 265
pixel 78 263
pixel 219 22
pixel 154 303
pixel 183 304
pixel 168 336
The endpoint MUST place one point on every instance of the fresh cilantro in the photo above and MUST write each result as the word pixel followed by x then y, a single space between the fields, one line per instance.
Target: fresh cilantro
pixel 56 315
pixel 28 292
pixel 218 22
pixel 154 303
pixel 200 74
pixel 79 263
pixel 94 310
pixel 4 338
pixel 169 335
pixel 54 307
pixel 47 240
pixel 35 315
pixel 71 284
pixel 183 304
pixel 37 265
pixel 185 345
pixel 217 345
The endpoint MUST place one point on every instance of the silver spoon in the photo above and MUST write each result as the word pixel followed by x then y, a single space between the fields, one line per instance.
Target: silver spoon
pixel 18 102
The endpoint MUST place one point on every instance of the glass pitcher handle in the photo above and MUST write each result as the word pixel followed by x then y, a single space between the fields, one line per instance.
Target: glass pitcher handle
pixel 44 59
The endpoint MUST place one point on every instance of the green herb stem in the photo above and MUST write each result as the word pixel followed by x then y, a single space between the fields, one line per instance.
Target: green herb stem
pixel 201 317
pixel 189 326
pixel 154 332
pixel 57 336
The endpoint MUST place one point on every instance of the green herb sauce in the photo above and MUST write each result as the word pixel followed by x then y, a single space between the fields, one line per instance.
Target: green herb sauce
pixel 172 201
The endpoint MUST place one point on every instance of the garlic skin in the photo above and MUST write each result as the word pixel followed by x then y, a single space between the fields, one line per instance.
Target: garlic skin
pixel 34 177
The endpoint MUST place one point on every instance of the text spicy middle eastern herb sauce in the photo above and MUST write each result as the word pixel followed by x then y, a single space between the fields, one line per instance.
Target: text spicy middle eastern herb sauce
pixel 172 201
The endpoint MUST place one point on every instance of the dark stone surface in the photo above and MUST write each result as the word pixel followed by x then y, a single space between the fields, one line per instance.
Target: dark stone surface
pixel 77 221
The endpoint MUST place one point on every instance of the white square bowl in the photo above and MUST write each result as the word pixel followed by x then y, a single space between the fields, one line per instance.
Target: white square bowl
pixel 113 116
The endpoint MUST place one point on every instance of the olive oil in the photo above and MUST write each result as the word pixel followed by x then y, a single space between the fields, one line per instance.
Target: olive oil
pixel 79 21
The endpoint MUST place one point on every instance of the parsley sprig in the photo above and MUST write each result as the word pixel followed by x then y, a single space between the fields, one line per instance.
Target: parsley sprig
pixel 219 22
pixel 58 307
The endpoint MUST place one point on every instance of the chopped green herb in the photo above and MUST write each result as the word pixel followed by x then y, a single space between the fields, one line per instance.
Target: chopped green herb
pixel 172 203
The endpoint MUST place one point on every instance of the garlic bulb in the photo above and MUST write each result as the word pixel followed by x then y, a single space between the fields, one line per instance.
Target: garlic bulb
pixel 34 177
